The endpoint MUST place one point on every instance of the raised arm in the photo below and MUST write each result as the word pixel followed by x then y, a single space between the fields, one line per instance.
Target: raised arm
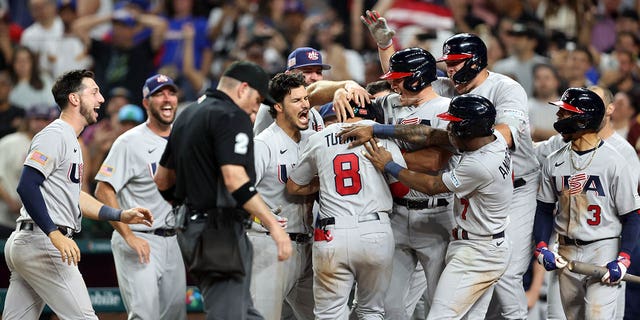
pixel 418 134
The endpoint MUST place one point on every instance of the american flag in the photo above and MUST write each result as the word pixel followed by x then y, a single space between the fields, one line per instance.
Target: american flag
pixel 39 157
pixel 106 170
pixel 576 183
pixel 410 121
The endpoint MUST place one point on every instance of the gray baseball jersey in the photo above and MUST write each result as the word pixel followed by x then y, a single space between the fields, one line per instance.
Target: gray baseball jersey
pixel 130 167
pixel 276 156
pixel 480 184
pixel 341 171
pixel 274 282
pixel 477 258
pixel 592 189
pixel 356 199
pixel 55 152
pixel 38 274
pixel 154 290
pixel 264 120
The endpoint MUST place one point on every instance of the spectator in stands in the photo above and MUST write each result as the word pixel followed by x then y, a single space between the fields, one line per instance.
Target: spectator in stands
pixel 542 115
pixel 10 34
pixel 228 24
pixel 13 151
pixel 623 114
pixel 180 13
pixel 69 51
pixel 31 87
pixel 46 29
pixel 11 116
pixel 123 61
pixel 526 39
pixel 579 62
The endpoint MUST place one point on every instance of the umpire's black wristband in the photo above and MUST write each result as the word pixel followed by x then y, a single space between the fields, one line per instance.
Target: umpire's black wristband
pixel 168 195
pixel 244 193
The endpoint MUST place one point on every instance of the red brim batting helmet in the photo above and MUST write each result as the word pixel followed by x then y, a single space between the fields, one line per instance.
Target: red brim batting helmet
pixel 391 75
pixel 566 106
pixel 455 56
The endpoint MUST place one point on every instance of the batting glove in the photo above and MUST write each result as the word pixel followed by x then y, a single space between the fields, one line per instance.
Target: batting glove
pixel 616 269
pixel 378 28
pixel 549 259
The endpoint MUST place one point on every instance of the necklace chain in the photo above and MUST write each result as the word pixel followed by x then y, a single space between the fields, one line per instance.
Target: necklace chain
pixel 573 164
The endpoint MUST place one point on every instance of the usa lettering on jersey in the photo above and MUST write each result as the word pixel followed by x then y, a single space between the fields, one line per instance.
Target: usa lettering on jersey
pixel 579 183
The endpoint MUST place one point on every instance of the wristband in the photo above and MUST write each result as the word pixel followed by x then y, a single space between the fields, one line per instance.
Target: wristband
pixel 244 193
pixel 393 169
pixel 107 213
pixel 385 47
pixel 384 130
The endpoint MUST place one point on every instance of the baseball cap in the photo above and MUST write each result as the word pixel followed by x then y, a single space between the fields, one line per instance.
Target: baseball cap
pixel 305 56
pixel 155 83
pixel 130 112
pixel 120 92
pixel 61 4
pixel 124 16
pixel 43 111
pixel 326 111
pixel 252 74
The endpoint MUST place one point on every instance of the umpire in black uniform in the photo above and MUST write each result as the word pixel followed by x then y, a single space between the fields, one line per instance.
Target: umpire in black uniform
pixel 208 166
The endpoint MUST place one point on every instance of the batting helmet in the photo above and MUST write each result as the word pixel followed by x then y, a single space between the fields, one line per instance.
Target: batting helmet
pixel 587 111
pixel 470 116
pixel 416 65
pixel 468 47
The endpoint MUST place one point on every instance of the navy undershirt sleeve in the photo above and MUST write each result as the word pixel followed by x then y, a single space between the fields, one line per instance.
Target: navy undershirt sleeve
pixel 630 231
pixel 29 191
pixel 543 223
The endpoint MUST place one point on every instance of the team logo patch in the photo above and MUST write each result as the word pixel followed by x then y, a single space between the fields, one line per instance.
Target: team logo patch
pixel 106 170
pixel 39 157
pixel 313 55
pixel 454 179
pixel 162 78
pixel 202 97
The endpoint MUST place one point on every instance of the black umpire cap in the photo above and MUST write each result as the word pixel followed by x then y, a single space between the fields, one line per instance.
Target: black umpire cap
pixel 253 75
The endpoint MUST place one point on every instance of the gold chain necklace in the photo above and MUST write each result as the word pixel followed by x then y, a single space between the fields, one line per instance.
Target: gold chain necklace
pixel 573 164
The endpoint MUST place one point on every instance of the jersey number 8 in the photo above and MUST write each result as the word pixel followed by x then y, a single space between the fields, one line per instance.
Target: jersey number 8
pixel 346 168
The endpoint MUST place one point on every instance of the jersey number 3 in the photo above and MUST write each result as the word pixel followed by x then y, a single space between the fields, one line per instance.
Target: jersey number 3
pixel 346 168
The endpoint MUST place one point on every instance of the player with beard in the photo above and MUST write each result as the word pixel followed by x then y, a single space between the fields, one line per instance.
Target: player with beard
pixel 277 151
pixel 41 254
pixel 148 261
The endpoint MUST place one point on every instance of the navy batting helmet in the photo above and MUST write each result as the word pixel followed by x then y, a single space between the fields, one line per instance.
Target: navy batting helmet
pixel 587 111
pixel 416 65
pixel 468 47
pixel 470 116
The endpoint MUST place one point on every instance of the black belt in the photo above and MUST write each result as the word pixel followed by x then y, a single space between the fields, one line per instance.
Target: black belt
pixel 298 237
pixel 519 182
pixel 421 204
pixel 464 235
pixel 374 216
pixel 160 232
pixel 29 226
pixel 566 241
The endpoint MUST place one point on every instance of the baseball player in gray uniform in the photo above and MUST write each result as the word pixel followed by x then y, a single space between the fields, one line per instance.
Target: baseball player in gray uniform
pixel 41 253
pixel 276 154
pixel 611 137
pixel 421 223
pixel 148 261
pixel 598 219
pixel 482 186
pixel 353 241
